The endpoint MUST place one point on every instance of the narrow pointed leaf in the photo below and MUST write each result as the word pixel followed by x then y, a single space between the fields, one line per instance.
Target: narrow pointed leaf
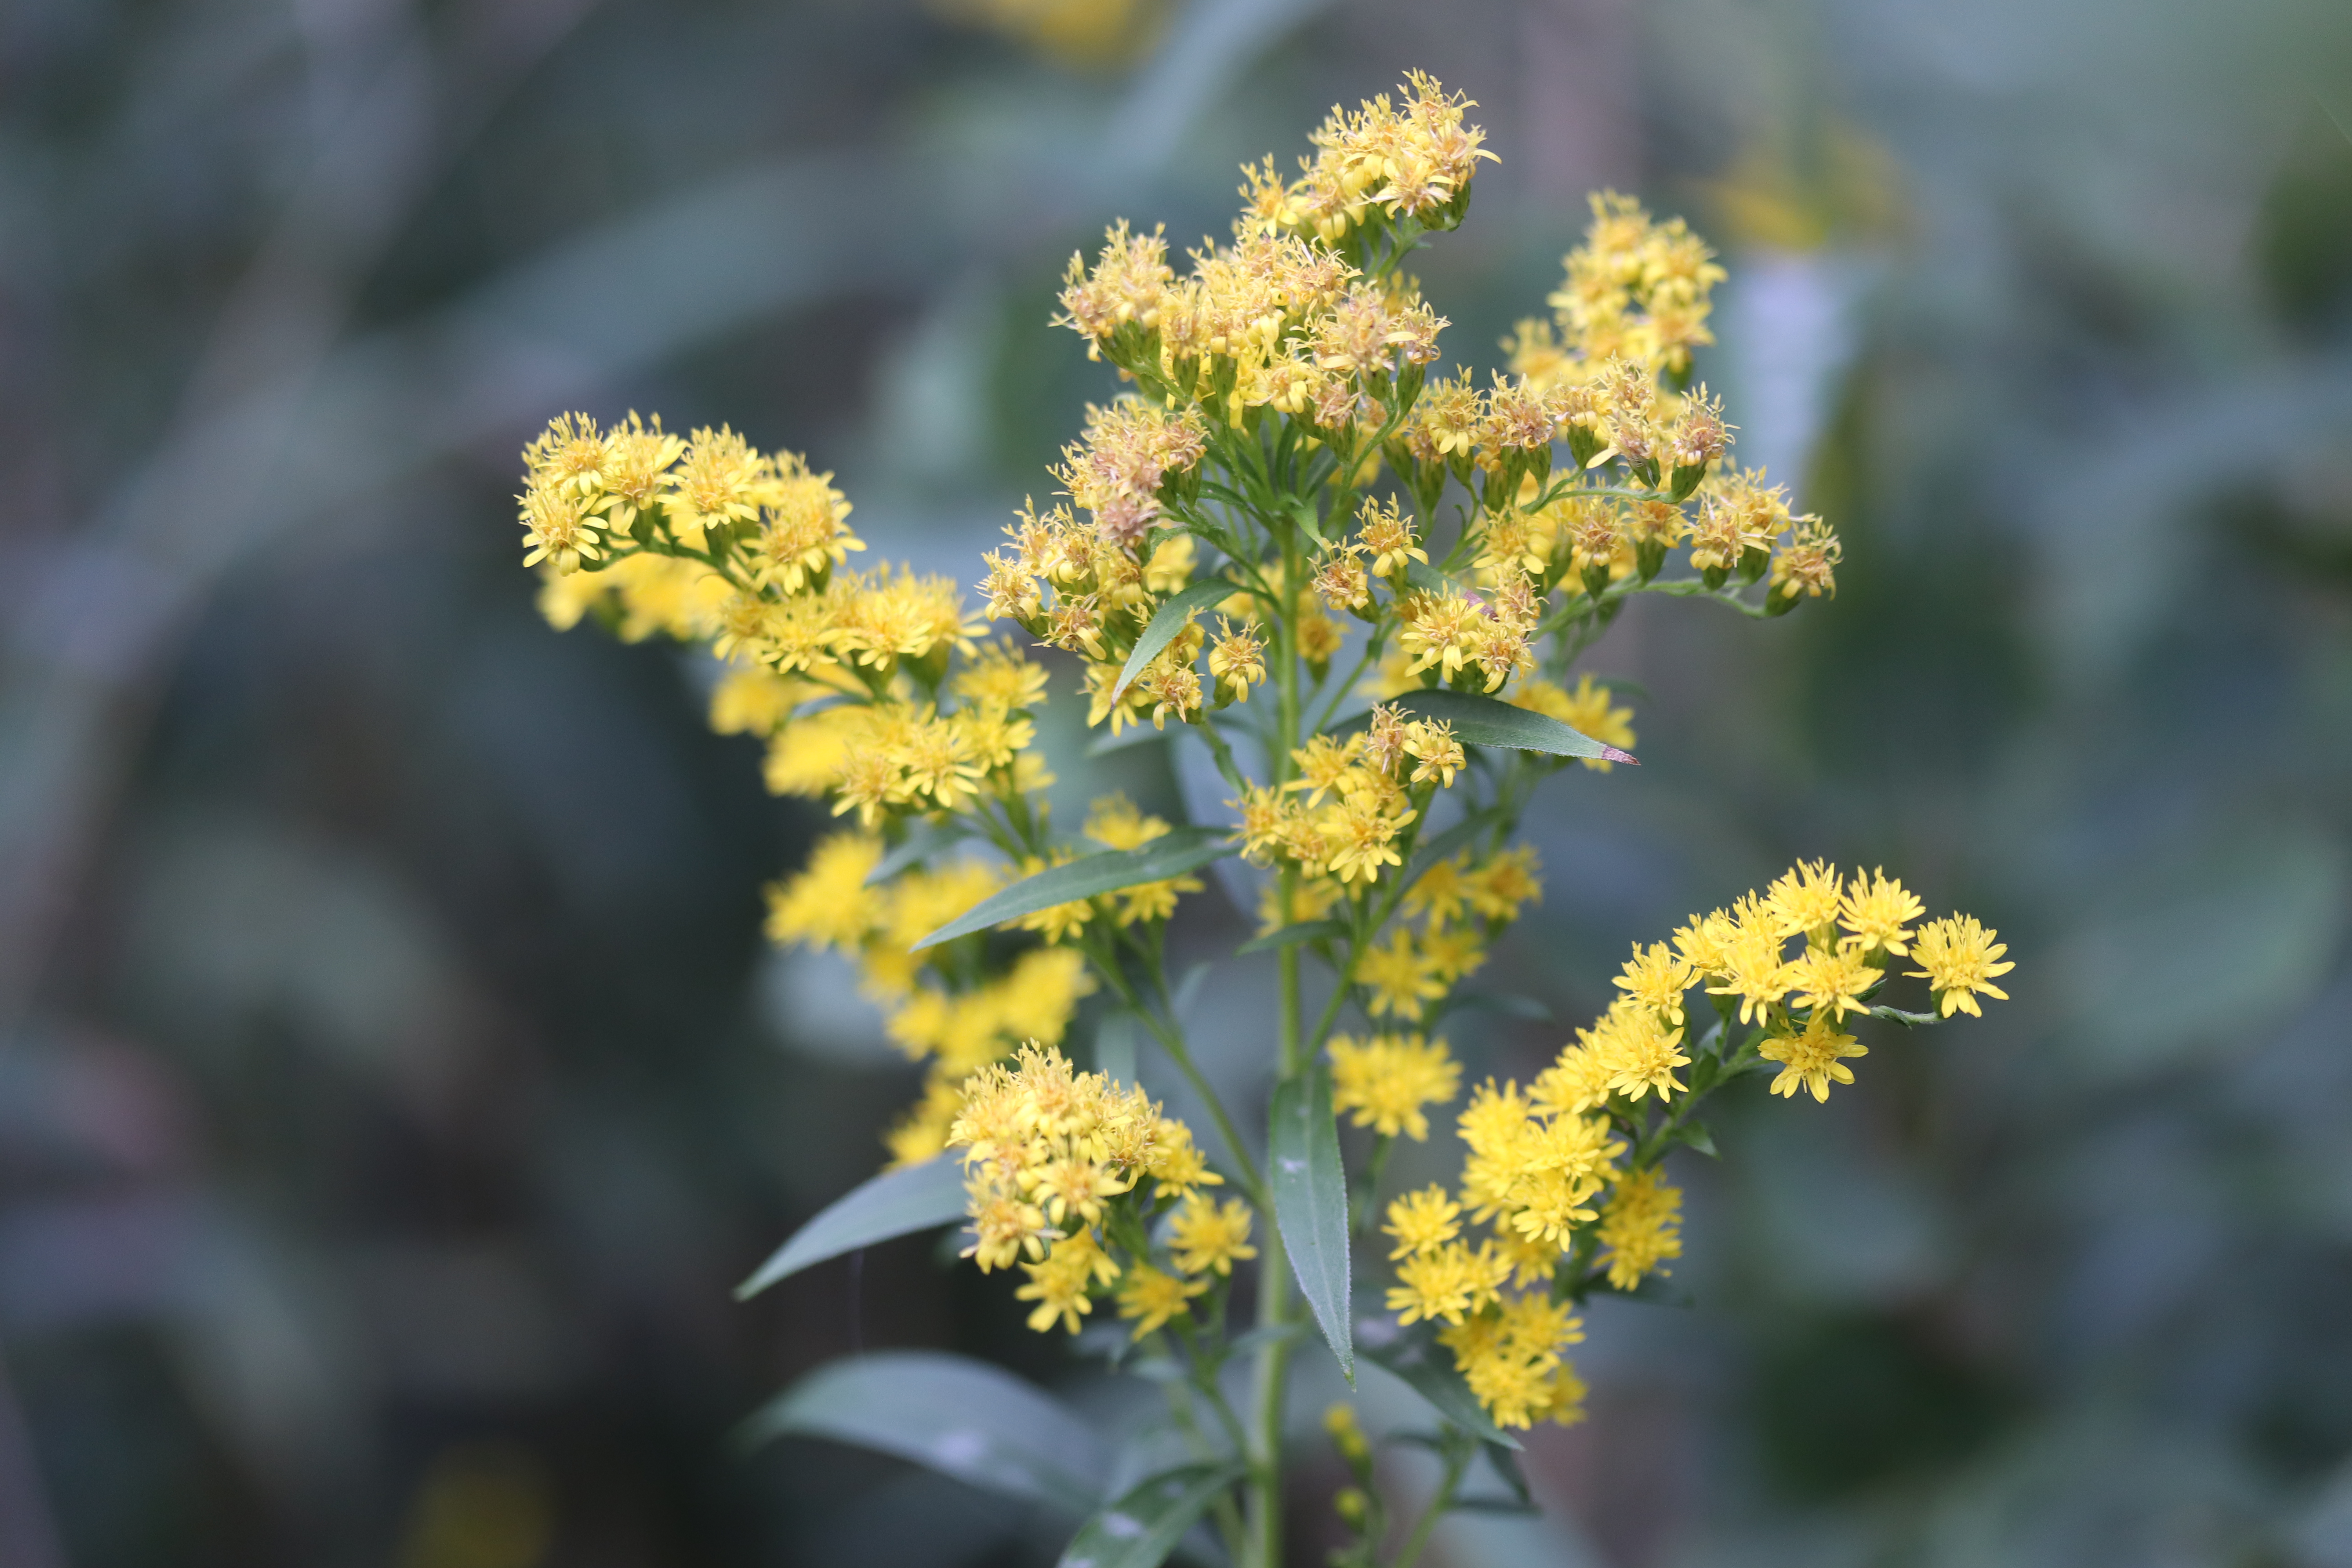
pixel 1447 842
pixel 1168 620
pixel 1291 936
pixel 922 843
pixel 1116 1038
pixel 1488 722
pixel 948 1413
pixel 1143 1527
pixel 1171 855
pixel 1510 1005
pixel 1505 1466
pixel 1104 745
pixel 1310 1202
pixel 1908 1020
pixel 1414 1355
pixel 1694 1135
pixel 1186 989
pixel 895 1203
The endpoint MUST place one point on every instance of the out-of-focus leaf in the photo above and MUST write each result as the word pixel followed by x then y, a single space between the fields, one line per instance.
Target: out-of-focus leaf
pixel 895 1203
pixel 1291 936
pixel 1510 1005
pixel 1485 721
pixel 1116 1039
pixel 920 843
pixel 1143 1527
pixel 1414 1355
pixel 1171 855
pixel 1447 842
pixel 1168 620
pixel 1694 1135
pixel 1310 1202
pixel 961 1417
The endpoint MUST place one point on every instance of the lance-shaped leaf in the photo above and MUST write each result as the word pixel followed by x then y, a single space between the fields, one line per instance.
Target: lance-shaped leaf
pixel 1427 1367
pixel 1291 936
pixel 1486 722
pixel 1143 1527
pixel 1116 1039
pixel 1310 1201
pixel 1169 854
pixel 1452 839
pixel 921 844
pixel 895 1203
pixel 1168 620
pixel 950 1413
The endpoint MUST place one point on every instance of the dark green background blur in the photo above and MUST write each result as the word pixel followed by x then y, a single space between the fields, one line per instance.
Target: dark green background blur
pixel 392 1083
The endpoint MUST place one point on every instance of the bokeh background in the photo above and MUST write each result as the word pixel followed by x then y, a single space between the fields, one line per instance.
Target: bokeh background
pixel 393 1080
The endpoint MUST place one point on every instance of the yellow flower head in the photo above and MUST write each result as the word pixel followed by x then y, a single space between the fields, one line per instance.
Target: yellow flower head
pixel 1877 912
pixel 1402 978
pixel 1346 1433
pixel 1386 1081
pixel 1811 1059
pixel 1207 1236
pixel 828 905
pixel 1958 958
pixel 1062 1285
pixel 1422 1221
pixel 1150 1298
pixel 1657 979
pixel 1639 1226
pixel 1805 900
pixel 1116 824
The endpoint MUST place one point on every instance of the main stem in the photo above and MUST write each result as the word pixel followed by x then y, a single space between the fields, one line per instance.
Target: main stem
pixel 1274 1297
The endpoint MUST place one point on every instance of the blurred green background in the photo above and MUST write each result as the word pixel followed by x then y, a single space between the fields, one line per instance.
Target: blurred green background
pixel 393 1081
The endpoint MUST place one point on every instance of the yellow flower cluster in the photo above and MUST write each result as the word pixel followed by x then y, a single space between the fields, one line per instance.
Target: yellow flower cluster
pixel 1507 1345
pixel 937 1010
pixel 1547 1166
pixel 1063 1172
pixel 1636 290
pixel 845 674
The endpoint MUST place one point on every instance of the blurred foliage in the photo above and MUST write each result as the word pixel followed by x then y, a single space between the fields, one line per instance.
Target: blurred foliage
pixel 392 1067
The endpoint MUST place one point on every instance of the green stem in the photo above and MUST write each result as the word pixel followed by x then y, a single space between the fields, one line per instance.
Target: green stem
pixel 1106 961
pixel 1274 1289
pixel 1229 1517
pixel 1443 1499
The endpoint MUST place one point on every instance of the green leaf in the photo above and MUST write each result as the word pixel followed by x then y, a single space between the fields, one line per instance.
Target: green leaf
pixel 1249 1345
pixel 1168 619
pixel 895 1203
pixel 1447 842
pixel 1505 1466
pixel 950 1413
pixel 1143 1527
pixel 1104 745
pixel 920 844
pixel 1116 1039
pixel 1291 936
pixel 1414 1355
pixel 1171 855
pixel 1302 512
pixel 1908 1020
pixel 1694 1135
pixel 1510 1005
pixel 1310 1201
pixel 1486 722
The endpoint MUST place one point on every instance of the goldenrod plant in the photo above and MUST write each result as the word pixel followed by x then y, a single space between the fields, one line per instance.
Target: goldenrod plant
pixel 1366 588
